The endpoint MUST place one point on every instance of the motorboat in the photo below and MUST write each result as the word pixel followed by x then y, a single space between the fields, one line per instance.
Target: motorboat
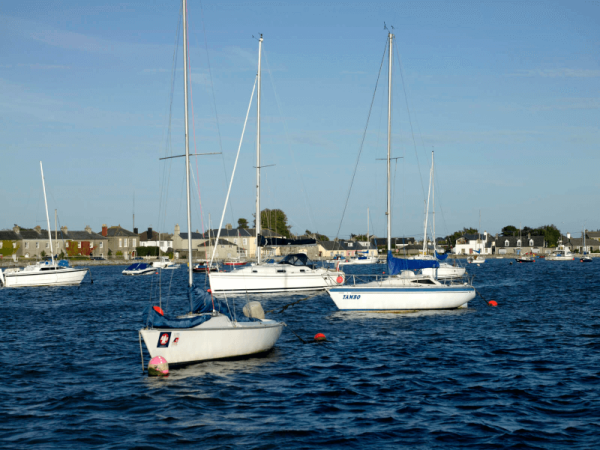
pixel 525 259
pixel 562 253
pixel 43 273
pixel 202 266
pixel 136 269
pixel 295 272
pixel 475 260
pixel 165 263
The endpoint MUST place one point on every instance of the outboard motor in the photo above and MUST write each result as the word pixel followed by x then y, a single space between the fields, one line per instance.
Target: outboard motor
pixel 254 310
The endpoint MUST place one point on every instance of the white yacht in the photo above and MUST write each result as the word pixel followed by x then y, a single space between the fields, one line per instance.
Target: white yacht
pixel 401 290
pixel 165 263
pixel 561 253
pixel 45 273
pixel 211 330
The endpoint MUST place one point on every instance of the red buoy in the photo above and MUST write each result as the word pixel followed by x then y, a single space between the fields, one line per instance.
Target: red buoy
pixel 209 291
pixel 339 280
pixel 320 337
pixel 493 303
pixel 159 310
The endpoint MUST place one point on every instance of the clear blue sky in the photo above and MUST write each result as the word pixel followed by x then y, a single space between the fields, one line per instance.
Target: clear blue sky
pixel 506 92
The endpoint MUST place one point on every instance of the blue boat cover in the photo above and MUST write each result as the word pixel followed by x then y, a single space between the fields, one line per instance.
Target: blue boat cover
pixel 441 257
pixel 477 251
pixel 63 263
pixel 202 303
pixel 397 265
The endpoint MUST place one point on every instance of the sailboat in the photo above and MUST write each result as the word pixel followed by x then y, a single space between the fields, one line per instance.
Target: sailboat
pixel 402 289
pixel 294 273
pixel 210 330
pixel 361 258
pixel 586 257
pixel 43 273
pixel 445 270
pixel 524 258
pixel 477 259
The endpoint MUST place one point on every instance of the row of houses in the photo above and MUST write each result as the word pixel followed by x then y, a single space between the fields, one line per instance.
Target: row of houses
pixel 486 244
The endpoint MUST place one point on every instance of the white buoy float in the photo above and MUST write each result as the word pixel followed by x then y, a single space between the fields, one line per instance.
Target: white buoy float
pixel 158 367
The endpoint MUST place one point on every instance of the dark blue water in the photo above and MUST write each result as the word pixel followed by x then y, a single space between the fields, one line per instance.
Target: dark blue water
pixel 523 375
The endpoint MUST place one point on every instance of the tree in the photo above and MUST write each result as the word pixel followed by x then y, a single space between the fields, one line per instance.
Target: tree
pixel 275 220
pixel 43 254
pixel 551 234
pixel 61 255
pixel 509 230
pixel 319 237
pixel 242 223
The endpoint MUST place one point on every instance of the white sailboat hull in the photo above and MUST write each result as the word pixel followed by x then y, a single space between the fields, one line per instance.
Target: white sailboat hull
pixel 559 258
pixel 218 338
pixel 351 262
pixel 445 272
pixel 274 278
pixel 385 296
pixel 24 278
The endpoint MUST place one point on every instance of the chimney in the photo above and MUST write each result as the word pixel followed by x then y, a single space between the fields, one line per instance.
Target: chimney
pixel 16 229
pixel 64 229
pixel 528 235
pixel 88 229
pixel 568 235
pixel 135 231
pixel 38 229
pixel 228 226
pixel 104 230
pixel 149 237
pixel 177 230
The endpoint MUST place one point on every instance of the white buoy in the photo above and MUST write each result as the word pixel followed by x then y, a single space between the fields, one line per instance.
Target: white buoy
pixel 158 367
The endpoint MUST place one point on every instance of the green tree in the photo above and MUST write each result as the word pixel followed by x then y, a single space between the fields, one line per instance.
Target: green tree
pixel 242 223
pixel 509 230
pixel 551 234
pixel 43 254
pixel 275 220
pixel 319 237
pixel 61 255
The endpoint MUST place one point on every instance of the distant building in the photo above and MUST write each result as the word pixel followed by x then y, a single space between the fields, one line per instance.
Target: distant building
pixel 469 244
pixel 152 238
pixel 519 245
pixel 121 242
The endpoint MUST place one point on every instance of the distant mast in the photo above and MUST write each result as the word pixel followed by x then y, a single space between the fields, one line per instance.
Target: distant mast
pixel 187 144
pixel 260 41
pixel 389 200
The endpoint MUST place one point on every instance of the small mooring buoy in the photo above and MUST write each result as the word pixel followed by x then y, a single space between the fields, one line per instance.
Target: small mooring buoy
pixel 158 367
pixel 493 303
pixel 320 337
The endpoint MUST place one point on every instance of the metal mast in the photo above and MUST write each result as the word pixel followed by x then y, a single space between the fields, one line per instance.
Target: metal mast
pixel 427 210
pixel 187 142
pixel 47 216
pixel 258 152
pixel 55 231
pixel 433 199
pixel 389 200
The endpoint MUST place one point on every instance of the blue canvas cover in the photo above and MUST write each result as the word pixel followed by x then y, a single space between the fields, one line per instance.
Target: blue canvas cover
pixel 137 266
pixel 202 303
pixel 397 265
pixel 63 263
pixel 441 257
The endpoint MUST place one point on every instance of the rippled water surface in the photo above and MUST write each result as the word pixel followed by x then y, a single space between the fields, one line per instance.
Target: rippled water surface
pixel 525 374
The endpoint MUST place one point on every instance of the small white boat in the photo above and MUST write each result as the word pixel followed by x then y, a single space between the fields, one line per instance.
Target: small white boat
pixel 360 260
pixel 475 260
pixel 139 269
pixel 45 273
pixel 561 254
pixel 165 263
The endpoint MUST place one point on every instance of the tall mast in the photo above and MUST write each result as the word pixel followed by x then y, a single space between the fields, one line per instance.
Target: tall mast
pixel 427 208
pixel 47 216
pixel 187 143
pixel 55 231
pixel 258 153
pixel 368 227
pixel 389 149
pixel 433 199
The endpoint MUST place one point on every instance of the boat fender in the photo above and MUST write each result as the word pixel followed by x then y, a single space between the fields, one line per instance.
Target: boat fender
pixel 254 310
pixel 320 337
pixel 339 279
pixel 158 367
pixel 159 310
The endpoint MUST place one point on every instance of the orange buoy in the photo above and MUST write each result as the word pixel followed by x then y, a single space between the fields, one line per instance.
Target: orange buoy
pixel 320 337
pixel 209 291
pixel 159 310
pixel 339 280
pixel 493 303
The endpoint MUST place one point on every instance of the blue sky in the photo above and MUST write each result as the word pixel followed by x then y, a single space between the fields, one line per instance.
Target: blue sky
pixel 507 93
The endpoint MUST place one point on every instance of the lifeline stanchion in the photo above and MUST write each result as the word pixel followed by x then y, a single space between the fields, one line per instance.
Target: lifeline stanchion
pixel 91 279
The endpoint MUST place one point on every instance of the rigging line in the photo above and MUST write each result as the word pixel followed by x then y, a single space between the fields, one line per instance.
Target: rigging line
pixel 409 118
pixel 287 137
pixel 166 176
pixel 233 173
pixel 362 142
pixel 194 126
